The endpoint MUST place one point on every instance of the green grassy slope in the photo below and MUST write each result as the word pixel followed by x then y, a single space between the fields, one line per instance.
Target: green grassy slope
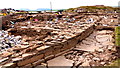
pixel 117 36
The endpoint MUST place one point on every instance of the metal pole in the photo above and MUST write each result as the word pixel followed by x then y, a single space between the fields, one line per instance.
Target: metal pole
pixel 51 6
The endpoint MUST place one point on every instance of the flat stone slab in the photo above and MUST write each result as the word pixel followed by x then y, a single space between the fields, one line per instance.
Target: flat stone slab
pixel 60 61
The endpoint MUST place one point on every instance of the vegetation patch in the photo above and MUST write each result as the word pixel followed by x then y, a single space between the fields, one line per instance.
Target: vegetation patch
pixel 117 35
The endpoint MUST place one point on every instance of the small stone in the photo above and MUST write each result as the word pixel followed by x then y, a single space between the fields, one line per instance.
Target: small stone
pixel 100 50
pixel 18 37
pixel 61 37
pixel 4 59
pixel 102 63
pixel 39 42
pixel 27 54
pixel 9 65
pixel 25 43
pixel 110 47
pixel 16 59
pixel 53 41
pixel 68 37
pixel 107 58
pixel 96 59
pixel 42 48
pixel 24 46
pixel 6 54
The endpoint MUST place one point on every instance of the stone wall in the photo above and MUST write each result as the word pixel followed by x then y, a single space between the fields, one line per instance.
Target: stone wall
pixel 42 53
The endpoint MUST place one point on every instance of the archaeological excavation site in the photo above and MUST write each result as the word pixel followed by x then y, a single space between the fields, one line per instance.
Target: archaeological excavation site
pixel 72 38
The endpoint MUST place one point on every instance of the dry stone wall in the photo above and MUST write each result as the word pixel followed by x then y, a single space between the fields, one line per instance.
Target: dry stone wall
pixel 33 55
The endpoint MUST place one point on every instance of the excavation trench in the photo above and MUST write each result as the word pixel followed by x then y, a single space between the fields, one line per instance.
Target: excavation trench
pixel 98 49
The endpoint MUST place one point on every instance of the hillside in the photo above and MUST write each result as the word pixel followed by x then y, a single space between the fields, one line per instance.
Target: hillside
pixel 93 8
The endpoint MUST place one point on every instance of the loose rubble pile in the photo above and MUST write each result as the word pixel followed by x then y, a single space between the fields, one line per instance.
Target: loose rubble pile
pixel 8 41
pixel 109 20
pixel 96 50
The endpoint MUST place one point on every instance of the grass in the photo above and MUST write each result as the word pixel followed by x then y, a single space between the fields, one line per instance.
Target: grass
pixel 94 8
pixel 117 30
pixel 117 35
pixel 116 63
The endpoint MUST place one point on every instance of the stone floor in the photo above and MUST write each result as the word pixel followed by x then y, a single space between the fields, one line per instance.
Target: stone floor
pixel 95 40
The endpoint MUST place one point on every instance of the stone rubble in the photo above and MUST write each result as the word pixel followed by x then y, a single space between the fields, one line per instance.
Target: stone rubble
pixel 8 41
pixel 90 54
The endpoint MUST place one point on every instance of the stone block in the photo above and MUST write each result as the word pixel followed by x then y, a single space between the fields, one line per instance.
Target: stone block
pixel 42 48
pixel 72 42
pixel 49 57
pixel 27 55
pixel 9 65
pixel 17 59
pixel 27 66
pixel 38 62
pixel 31 60
pixel 56 51
pixel 6 54
pixel 48 51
